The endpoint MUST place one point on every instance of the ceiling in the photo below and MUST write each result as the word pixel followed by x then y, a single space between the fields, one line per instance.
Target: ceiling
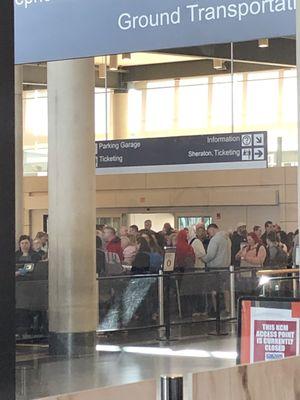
pixel 149 58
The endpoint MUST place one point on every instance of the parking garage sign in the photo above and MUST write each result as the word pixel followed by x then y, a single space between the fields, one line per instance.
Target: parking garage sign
pixel 184 153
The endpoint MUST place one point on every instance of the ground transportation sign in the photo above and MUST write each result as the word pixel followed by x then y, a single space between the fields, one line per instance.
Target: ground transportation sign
pixel 183 153
pixel 268 329
pixel 48 30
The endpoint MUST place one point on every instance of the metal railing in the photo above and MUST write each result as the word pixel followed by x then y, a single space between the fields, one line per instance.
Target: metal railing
pixel 163 293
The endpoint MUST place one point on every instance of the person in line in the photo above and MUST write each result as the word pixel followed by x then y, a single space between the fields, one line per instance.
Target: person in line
pixel 202 235
pixel 198 248
pixel 277 228
pixel 269 227
pixel 113 243
pixel 25 254
pixel 129 246
pixel 219 249
pixel 133 230
pixel 172 240
pixel 100 257
pixel 218 257
pixel 99 230
pixel 295 246
pixel 156 253
pixel 238 240
pixel 185 255
pixel 141 263
pixel 283 240
pixel 43 236
pixel 37 247
pixel 148 226
pixel 277 255
pixel 258 231
pixel 167 229
pixel 123 231
pixel 253 254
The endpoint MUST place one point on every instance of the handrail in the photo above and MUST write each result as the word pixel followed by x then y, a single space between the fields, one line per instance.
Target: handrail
pixel 275 272
pixel 174 274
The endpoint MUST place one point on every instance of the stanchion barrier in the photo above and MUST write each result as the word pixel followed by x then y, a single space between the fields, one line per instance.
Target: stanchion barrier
pixel 171 388
pixel 166 280
pixel 177 283
pixel 161 304
pixel 295 283
pixel 232 292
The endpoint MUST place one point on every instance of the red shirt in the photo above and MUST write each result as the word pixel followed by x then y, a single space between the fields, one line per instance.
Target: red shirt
pixel 114 246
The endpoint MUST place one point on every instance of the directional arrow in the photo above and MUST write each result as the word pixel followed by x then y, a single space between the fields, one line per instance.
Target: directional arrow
pixel 258 139
pixel 259 153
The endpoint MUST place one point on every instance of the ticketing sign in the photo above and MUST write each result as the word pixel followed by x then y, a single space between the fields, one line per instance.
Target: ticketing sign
pixel 183 153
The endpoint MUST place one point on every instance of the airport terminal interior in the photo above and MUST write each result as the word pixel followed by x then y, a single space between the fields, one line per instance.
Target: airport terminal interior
pixel 133 262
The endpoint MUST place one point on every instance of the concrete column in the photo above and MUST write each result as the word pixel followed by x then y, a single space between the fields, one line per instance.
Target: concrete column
pixel 120 115
pixel 73 297
pixel 19 151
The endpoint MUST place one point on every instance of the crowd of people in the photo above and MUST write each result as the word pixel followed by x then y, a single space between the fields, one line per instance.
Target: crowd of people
pixel 32 251
pixel 197 247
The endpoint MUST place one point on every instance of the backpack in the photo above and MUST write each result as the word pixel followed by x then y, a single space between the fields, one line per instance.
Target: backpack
pixel 113 265
pixel 280 259
pixel 156 261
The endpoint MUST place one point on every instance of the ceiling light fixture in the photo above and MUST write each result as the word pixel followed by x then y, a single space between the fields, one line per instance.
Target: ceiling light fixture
pixel 263 43
pixel 113 63
pixel 126 56
pixel 101 71
pixel 219 64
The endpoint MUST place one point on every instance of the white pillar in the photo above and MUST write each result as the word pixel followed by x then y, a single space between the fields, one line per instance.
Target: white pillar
pixel 298 85
pixel 19 151
pixel 120 115
pixel 73 297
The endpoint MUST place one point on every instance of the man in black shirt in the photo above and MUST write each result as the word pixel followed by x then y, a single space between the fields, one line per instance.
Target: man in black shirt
pixel 238 238
pixel 269 227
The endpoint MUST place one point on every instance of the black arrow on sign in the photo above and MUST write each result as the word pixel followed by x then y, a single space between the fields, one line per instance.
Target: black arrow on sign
pixel 259 153
pixel 259 139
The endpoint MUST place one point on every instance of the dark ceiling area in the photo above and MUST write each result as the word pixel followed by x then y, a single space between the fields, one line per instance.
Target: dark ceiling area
pixel 248 57
pixel 281 51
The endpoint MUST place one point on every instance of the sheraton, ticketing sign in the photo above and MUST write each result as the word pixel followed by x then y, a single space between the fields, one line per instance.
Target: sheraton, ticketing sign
pixel 48 30
pixel 183 153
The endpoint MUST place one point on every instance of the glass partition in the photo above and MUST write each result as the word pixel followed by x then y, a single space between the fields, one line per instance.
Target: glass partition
pixel 232 93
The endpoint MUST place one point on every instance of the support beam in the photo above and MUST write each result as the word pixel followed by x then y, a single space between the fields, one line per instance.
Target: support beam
pixel 298 88
pixel 73 299
pixel 7 202
pixel 19 150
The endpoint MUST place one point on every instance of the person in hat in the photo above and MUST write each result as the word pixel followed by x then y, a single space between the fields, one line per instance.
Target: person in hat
pixel 239 239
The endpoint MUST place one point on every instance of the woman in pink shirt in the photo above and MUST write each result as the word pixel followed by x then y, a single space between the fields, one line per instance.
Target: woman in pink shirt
pixel 253 254
pixel 129 246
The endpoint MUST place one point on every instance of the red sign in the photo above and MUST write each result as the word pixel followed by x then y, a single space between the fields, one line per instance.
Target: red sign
pixel 274 340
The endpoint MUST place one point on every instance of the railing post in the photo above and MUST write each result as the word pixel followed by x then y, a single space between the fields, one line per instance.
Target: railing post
pixel 171 388
pixel 167 282
pixel 161 303
pixel 232 292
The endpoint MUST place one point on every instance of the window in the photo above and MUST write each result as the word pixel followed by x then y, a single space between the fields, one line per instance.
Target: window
pixel 289 96
pixel 160 106
pixel 193 103
pixel 134 112
pixel 101 117
pixel 262 98
pixel 221 102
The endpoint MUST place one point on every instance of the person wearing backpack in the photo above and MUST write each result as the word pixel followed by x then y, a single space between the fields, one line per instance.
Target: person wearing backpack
pixel 198 248
pixel 277 256
pixel 253 254
pixel 155 254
